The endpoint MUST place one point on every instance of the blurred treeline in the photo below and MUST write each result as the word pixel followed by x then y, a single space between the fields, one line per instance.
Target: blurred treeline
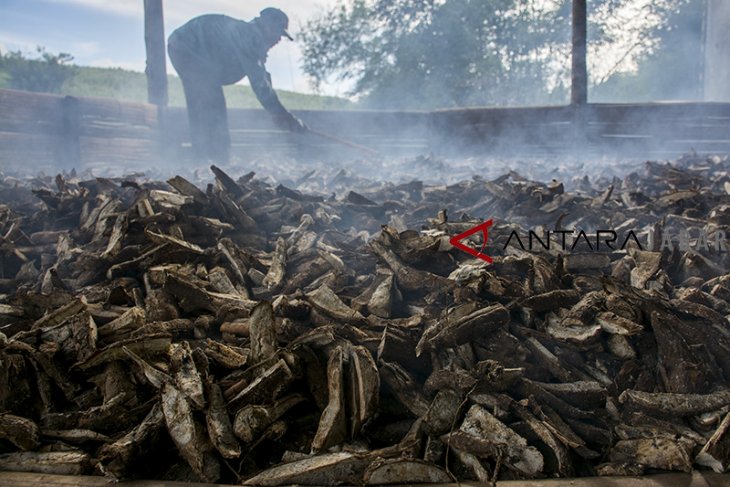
pixel 56 73
pixel 444 53
pixel 425 54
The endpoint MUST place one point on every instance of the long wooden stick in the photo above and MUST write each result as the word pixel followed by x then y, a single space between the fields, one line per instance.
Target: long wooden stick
pixel 337 140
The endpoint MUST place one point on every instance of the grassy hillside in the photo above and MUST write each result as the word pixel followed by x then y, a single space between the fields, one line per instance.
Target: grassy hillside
pixel 132 86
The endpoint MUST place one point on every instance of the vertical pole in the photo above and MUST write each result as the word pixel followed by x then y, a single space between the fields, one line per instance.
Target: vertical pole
pixel 68 154
pixel 717 51
pixel 154 37
pixel 701 88
pixel 156 69
pixel 579 85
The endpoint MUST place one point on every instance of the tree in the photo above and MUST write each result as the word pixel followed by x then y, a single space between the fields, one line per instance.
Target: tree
pixel 45 73
pixel 424 53
pixel 430 53
pixel 671 66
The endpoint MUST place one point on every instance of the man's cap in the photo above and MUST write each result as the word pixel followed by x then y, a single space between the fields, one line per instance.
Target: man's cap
pixel 277 19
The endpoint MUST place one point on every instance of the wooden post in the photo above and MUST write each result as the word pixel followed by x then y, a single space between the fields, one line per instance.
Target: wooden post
pixel 156 69
pixel 154 37
pixel 717 51
pixel 579 85
pixel 68 153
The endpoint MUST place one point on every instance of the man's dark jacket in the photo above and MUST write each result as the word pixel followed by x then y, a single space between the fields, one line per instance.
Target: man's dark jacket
pixel 225 50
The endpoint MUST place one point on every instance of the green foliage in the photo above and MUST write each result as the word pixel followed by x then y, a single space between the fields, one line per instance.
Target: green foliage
pixel 45 73
pixel 132 86
pixel 444 53
pixel 19 72
pixel 674 69
pixel 107 83
pixel 241 96
pixel 425 54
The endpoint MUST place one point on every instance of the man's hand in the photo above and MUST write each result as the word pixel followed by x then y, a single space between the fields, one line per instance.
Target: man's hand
pixel 290 122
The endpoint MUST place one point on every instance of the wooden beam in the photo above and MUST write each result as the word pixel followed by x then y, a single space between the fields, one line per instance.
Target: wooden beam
pixel 717 51
pixel 68 155
pixel 154 36
pixel 698 477
pixel 579 85
pixel 27 479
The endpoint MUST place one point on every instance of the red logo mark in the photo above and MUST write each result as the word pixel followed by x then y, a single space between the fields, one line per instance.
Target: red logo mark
pixel 484 228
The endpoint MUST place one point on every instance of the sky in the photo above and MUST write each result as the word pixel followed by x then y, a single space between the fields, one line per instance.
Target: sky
pixel 110 33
